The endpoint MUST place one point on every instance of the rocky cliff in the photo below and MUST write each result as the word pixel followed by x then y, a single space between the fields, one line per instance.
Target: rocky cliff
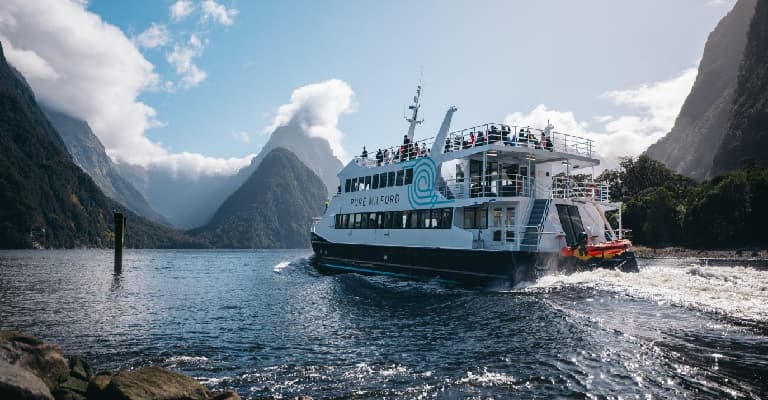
pixel 272 209
pixel 746 136
pixel 89 154
pixel 689 147
pixel 46 200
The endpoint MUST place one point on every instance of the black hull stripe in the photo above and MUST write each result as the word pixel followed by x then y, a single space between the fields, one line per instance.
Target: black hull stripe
pixel 416 267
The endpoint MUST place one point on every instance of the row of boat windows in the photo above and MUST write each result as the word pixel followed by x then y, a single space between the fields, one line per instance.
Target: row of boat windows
pixel 382 180
pixel 438 218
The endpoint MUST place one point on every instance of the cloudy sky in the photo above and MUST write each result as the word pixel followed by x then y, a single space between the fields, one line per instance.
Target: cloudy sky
pixel 199 85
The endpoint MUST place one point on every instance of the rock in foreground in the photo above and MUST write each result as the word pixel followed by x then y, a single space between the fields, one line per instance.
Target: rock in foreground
pixel 35 370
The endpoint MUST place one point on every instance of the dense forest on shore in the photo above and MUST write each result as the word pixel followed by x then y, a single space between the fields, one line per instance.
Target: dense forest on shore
pixel 664 208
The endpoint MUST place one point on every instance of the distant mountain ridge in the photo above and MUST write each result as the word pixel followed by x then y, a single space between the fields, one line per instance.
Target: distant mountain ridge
pixel 272 209
pixel 46 200
pixel 188 203
pixel 746 136
pixel 89 154
pixel 690 146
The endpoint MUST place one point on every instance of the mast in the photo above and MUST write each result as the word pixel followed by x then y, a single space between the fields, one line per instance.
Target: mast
pixel 413 120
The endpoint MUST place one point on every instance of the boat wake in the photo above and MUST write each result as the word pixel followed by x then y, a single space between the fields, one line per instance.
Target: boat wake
pixel 279 267
pixel 735 291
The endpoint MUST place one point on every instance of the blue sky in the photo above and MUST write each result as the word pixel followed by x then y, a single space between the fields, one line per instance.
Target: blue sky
pixel 492 59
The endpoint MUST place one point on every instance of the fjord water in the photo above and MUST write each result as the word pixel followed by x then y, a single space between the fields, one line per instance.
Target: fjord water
pixel 264 323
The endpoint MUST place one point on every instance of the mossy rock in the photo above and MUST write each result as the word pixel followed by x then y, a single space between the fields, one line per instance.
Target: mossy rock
pixel 155 383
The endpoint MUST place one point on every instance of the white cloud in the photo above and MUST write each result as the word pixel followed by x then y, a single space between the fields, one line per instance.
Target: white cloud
pixel 217 12
pixel 182 59
pixel 91 70
pixel 316 108
pixel 34 66
pixel 79 64
pixel 242 136
pixel 155 36
pixel 653 108
pixel 181 9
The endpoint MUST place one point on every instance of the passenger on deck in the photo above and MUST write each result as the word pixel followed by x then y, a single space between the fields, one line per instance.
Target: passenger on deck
pixel 471 139
pixel 505 136
pixel 493 135
pixel 522 137
pixel 364 156
pixel 447 147
pixel 532 137
pixel 480 138
pixel 387 160
pixel 456 143
pixel 379 157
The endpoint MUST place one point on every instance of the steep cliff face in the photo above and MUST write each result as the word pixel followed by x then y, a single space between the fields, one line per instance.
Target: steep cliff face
pixel 89 154
pixel 45 198
pixel 746 136
pixel 689 147
pixel 272 209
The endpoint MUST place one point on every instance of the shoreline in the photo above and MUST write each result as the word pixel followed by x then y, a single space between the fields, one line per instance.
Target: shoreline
pixel 721 255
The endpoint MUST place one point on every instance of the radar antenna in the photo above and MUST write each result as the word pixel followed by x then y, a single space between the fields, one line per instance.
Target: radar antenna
pixel 414 120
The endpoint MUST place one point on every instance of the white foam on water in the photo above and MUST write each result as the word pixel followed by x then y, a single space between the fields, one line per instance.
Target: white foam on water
pixel 735 291
pixel 487 378
pixel 186 359
pixel 279 267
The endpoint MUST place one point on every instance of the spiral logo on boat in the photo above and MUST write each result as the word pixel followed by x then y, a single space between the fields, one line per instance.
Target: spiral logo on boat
pixel 421 192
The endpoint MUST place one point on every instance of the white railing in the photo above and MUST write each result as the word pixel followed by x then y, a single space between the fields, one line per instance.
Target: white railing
pixel 565 188
pixel 495 186
pixel 481 135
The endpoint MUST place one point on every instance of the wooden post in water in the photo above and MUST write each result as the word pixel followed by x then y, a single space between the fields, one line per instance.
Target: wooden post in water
pixel 119 241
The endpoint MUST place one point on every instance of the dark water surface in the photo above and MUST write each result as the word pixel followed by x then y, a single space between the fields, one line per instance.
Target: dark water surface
pixel 265 323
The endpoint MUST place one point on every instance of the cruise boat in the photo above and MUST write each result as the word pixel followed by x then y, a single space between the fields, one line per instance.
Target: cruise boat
pixel 493 202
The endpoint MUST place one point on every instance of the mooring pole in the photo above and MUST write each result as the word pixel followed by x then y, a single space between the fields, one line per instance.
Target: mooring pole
pixel 119 241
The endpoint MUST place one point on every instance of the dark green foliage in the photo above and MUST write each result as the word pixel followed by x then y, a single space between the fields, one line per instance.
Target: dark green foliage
pixel 654 217
pixel 47 200
pixel 729 210
pixel 272 209
pixel 664 208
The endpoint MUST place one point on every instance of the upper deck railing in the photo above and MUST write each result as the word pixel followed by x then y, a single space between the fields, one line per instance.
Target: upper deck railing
pixel 481 135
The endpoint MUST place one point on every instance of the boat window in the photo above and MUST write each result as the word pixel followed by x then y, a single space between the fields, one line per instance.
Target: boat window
pixel 354 184
pixel 383 180
pixel 387 222
pixel 347 185
pixel 482 218
pixel 391 178
pixel 422 219
pixel 397 220
pixel 475 218
pixel 361 183
pixel 367 183
pixel 410 219
pixel 375 182
pixel 408 176
pixel 399 178
pixel 459 173
pixel 445 219
pixel 413 220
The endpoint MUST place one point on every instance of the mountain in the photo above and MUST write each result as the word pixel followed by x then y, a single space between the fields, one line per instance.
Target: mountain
pixel 189 203
pixel 89 154
pixel 689 147
pixel 272 209
pixel 45 198
pixel 746 137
